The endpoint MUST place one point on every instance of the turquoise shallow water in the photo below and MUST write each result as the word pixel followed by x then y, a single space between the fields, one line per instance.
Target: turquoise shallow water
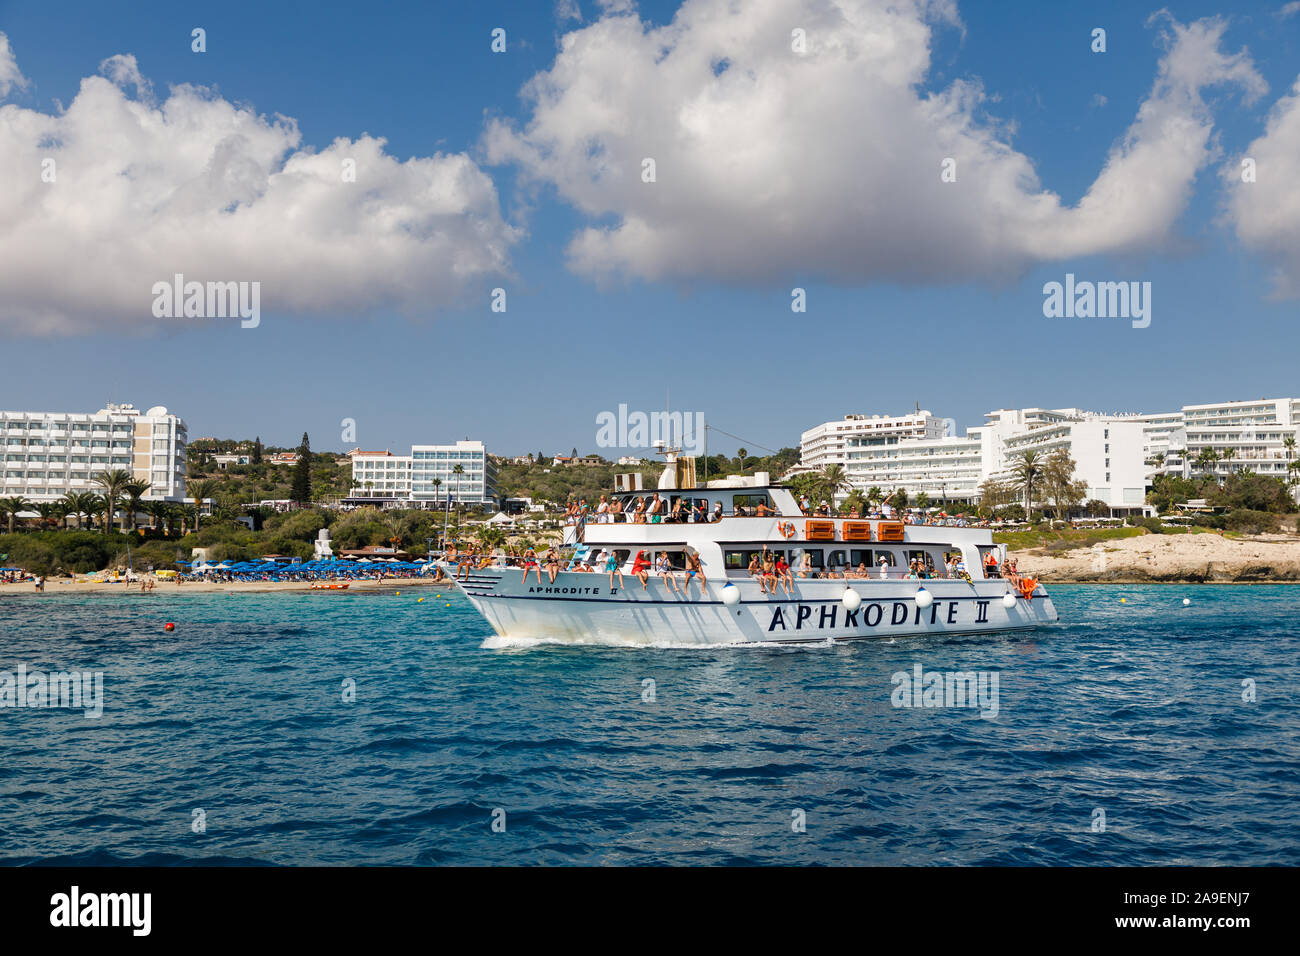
pixel 1132 708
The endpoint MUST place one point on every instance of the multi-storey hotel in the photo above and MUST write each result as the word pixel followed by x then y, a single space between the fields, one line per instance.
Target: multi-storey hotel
pixel 49 454
pixel 829 442
pixel 425 478
pixel 1258 436
pixel 1115 455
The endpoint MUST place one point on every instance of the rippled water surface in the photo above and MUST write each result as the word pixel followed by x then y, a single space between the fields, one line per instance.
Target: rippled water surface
pixel 1134 708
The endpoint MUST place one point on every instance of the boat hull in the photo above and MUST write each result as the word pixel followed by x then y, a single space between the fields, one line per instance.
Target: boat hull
pixel 582 608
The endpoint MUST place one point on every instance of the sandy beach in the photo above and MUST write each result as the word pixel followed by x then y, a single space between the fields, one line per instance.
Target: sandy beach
pixel 68 586
pixel 1173 558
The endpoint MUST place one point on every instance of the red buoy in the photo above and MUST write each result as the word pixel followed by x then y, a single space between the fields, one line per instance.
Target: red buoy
pixel 169 626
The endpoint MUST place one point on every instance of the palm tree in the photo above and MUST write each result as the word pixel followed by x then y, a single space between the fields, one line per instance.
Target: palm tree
pixel 1206 458
pixel 51 512
pixel 136 489
pixel 458 470
pixel 874 494
pixel 1227 455
pixel 836 480
pixel 157 511
pixel 1027 470
pixel 186 514
pixel 69 503
pixel 9 507
pixel 82 504
pixel 742 454
pixel 114 484
pixel 198 490
pixel 437 483
pixel 1289 444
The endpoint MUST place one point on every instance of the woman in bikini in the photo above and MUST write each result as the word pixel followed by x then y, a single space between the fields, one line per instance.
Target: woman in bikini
pixel 552 564
pixel 530 564
pixel 638 515
pixel 756 571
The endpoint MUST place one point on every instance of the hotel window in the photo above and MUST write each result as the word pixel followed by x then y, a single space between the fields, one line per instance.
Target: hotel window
pixel 1108 477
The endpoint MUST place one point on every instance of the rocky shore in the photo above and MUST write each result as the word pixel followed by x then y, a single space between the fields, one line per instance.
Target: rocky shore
pixel 1204 558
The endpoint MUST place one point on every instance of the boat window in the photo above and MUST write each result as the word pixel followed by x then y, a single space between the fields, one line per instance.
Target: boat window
pixel 835 559
pixel 814 558
pixel 860 556
pixel 749 503
pixel 888 557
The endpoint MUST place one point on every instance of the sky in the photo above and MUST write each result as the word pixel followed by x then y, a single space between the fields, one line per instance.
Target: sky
pixel 797 145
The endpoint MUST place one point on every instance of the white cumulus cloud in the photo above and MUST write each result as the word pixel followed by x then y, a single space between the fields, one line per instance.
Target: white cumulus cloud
pixel 10 77
pixel 198 185
pixel 1266 212
pixel 827 163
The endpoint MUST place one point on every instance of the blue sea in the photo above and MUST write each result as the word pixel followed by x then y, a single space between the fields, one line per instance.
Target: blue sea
pixel 1124 735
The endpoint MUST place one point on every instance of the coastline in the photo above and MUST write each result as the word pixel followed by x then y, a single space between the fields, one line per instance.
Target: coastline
pixel 1170 559
pixel 65 586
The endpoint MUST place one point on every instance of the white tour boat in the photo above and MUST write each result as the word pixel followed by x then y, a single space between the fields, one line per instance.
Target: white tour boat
pixel 821 603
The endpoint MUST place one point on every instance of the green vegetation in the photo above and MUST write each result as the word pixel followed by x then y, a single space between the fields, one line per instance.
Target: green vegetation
pixel 1242 489
pixel 1062 539
pixel 300 491
pixel 559 484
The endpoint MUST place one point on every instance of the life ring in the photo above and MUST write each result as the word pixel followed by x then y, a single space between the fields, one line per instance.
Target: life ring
pixel 1027 586
pixel 786 528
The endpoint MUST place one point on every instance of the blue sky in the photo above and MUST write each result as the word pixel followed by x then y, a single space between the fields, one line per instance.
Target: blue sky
pixel 576 340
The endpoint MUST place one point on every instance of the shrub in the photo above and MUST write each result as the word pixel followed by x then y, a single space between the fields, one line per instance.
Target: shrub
pixel 1246 521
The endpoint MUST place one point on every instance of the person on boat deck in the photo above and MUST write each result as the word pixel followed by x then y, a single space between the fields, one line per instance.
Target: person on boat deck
pixel 861 571
pixel 602 511
pixel 756 571
pixel 1011 573
pixel 763 510
pixel 610 563
pixel 701 514
pixel 805 566
pixel 803 504
pixel 717 511
pixel 694 569
pixel 884 566
pixel 530 564
pixel 638 514
pixel 666 573
pixel 655 509
pixel 641 568
pixel 552 563
pixel 769 571
pixel 678 515
pixel 991 565
pixel 783 576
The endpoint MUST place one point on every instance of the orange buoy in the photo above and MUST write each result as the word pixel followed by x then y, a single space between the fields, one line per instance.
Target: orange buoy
pixel 169 626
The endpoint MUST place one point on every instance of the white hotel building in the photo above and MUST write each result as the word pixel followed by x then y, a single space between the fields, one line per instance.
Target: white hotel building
pixel 1255 433
pixel 49 454
pixel 386 480
pixel 829 442
pixel 1115 455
